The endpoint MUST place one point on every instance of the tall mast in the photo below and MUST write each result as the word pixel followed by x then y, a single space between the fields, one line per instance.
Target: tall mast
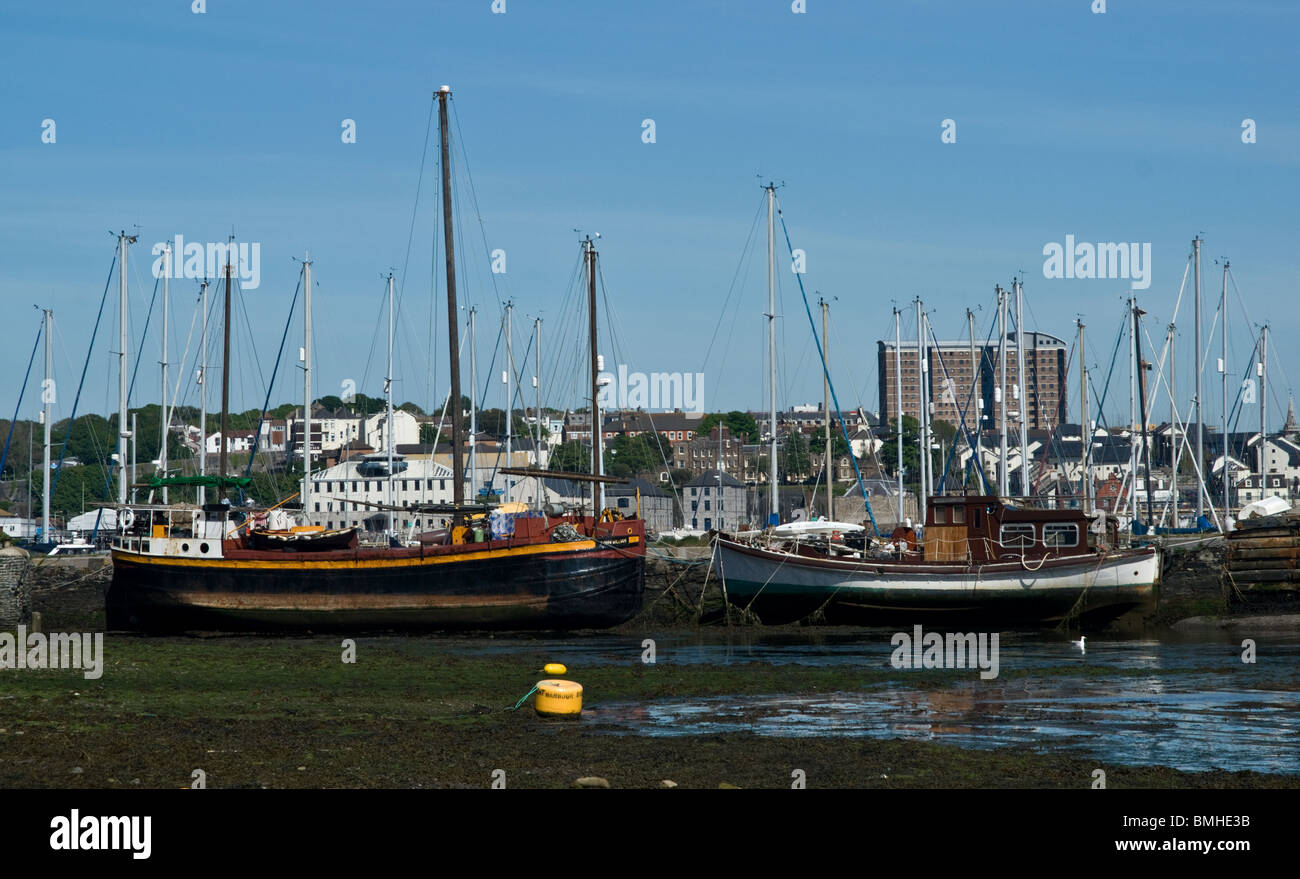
pixel 203 392
pixel 388 426
pixel 473 411
pixel 1173 429
pixel 48 417
pixel 774 509
pixel 135 446
pixel 1085 481
pixel 306 383
pixel 1132 405
pixel 1143 366
pixel 1200 417
pixel 225 383
pixel 1022 387
pixel 979 400
pixel 537 384
pixel 123 433
pixel 165 418
pixel 898 402
pixel 453 317
pixel 1264 388
pixel 597 459
pixel 510 386
pixel 921 379
pixel 1004 478
pixel 1223 370
pixel 826 394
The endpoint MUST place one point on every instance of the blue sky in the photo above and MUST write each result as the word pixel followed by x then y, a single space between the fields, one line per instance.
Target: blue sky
pixel 1119 127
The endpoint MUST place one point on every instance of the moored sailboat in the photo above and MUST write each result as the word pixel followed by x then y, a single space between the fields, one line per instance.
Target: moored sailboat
pixel 191 569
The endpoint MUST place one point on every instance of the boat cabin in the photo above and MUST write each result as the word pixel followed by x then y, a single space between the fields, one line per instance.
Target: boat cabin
pixel 981 528
pixel 184 532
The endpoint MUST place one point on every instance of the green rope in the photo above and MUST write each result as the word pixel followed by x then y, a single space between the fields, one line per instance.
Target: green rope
pixel 523 700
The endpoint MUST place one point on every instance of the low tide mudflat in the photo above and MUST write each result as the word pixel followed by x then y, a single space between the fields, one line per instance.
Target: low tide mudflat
pixel 431 712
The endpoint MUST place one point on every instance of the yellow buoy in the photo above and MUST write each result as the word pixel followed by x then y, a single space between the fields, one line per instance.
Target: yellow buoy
pixel 554 668
pixel 558 698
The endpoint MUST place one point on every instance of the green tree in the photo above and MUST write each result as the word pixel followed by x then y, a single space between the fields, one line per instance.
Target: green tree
pixel 573 456
pixel 628 456
pixel 741 424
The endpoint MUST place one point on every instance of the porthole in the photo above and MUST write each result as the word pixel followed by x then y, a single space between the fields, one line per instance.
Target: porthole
pixel 203 548
pixel 185 547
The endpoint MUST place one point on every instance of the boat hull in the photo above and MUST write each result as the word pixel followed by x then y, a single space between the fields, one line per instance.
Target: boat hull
pixel 781 587
pixel 547 586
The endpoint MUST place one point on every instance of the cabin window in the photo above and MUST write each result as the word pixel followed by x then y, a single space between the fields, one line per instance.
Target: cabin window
pixel 976 522
pixel 940 515
pixel 1018 535
pixel 959 515
pixel 442 485
pixel 1061 535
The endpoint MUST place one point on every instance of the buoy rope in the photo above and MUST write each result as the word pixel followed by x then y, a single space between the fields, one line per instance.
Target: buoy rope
pixel 523 700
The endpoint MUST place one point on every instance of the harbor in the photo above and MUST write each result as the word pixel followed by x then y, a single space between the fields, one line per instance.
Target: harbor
pixel 508 396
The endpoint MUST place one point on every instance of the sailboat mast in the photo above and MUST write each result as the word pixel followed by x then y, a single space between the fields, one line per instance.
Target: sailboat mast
pixel 1004 480
pixel 510 387
pixel 203 392
pixel 225 383
pixel 306 383
pixel 453 317
pixel 388 426
pixel 122 432
pixel 164 415
pixel 1223 371
pixel 974 379
pixel 597 462
pixel 47 397
pixel 1173 430
pixel 898 402
pixel 773 512
pixel 473 411
pixel 923 495
pixel 1085 480
pixel 1022 387
pixel 1132 408
pixel 1200 417
pixel 1264 389
pixel 1142 366
pixel 537 384
pixel 826 394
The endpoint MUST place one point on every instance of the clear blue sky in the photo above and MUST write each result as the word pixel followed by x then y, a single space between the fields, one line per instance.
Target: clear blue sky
pixel 1121 127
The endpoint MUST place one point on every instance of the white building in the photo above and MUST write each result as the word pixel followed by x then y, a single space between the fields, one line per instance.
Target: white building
pixel 406 430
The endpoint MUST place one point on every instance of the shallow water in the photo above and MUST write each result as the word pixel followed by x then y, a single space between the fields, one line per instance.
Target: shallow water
pixel 1200 708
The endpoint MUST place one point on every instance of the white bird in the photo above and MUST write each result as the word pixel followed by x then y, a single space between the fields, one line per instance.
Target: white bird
pixel 1082 648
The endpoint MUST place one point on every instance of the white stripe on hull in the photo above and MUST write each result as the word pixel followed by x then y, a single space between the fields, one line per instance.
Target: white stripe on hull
pixel 1116 578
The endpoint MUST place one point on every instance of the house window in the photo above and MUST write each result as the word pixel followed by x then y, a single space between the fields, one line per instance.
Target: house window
pixel 1018 535
pixel 708 523
pixel 623 502
pixel 318 506
pixel 695 505
pixel 1060 535
pixel 706 505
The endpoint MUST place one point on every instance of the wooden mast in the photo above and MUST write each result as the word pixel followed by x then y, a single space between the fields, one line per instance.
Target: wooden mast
pixel 225 384
pixel 597 492
pixel 453 319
